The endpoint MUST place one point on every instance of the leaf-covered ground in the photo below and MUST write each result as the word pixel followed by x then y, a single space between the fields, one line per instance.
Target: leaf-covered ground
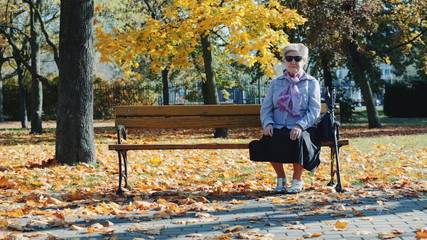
pixel 391 160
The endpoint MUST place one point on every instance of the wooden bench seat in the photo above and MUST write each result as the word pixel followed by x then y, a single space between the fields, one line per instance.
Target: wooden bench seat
pixel 189 116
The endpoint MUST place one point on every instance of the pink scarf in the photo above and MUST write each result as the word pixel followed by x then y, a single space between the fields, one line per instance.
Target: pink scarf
pixel 290 99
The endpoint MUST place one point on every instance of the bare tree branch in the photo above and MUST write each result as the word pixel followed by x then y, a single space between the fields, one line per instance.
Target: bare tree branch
pixel 153 13
pixel 400 44
pixel 46 35
pixel 10 75
pixel 42 79
pixel 16 29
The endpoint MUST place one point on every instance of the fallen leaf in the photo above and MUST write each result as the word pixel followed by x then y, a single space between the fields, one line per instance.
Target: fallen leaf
pixel 382 235
pixel 4 182
pixel 362 233
pixel 193 235
pixel 203 215
pixel 312 235
pixel 421 234
pixel 299 227
pixel 232 229
pixel 108 232
pixel 97 227
pixel 146 228
pixel 341 225
pixel 107 224
pixel 76 228
pixel 237 202
pixel 4 223
pixel 15 213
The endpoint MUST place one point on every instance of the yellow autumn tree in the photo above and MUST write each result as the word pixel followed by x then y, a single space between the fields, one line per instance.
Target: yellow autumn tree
pixel 247 31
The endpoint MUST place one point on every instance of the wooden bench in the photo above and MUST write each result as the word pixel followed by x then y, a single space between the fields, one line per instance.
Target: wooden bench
pixel 190 116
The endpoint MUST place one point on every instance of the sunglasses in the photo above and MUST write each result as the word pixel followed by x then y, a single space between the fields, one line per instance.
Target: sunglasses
pixel 296 58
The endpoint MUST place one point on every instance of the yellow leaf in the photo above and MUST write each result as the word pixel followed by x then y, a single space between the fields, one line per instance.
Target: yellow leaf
pixel 15 213
pixel 237 202
pixel 233 229
pixel 95 228
pixel 312 235
pixel 4 223
pixel 341 225
pixel 421 234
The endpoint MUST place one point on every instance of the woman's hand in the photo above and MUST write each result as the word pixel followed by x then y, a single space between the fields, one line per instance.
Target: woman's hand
pixel 268 131
pixel 295 132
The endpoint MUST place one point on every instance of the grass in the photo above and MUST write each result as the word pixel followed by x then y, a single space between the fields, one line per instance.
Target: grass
pixel 399 145
pixel 367 144
pixel 361 117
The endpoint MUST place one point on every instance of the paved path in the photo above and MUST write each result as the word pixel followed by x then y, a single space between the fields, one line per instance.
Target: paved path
pixel 52 124
pixel 270 217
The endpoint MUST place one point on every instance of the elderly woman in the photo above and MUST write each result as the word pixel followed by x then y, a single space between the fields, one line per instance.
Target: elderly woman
pixel 288 115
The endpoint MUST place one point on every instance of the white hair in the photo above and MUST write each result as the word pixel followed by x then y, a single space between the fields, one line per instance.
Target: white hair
pixel 297 47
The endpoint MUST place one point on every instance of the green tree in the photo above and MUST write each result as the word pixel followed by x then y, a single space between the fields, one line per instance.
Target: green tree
pixel 360 35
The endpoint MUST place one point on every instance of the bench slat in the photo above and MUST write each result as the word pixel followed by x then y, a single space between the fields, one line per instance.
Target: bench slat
pixel 197 146
pixel 191 122
pixel 194 110
pixel 188 110
pixel 192 116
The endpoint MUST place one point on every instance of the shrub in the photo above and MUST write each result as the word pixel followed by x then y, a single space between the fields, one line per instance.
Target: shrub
pixel 346 108
pixel 406 99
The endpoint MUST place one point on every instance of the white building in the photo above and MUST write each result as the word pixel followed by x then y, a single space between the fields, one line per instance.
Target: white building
pixel 353 91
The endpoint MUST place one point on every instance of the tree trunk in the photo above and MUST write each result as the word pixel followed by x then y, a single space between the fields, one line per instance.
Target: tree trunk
pixel 210 95
pixel 209 89
pixel 327 74
pixel 1 98
pixel 74 132
pixel 36 85
pixel 2 60
pixel 165 81
pixel 22 96
pixel 357 62
pixel 22 93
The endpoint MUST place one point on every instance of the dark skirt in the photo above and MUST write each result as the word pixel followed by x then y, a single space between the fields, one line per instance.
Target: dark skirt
pixel 281 149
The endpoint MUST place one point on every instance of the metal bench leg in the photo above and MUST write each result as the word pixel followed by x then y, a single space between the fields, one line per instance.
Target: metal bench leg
pixel 338 187
pixel 125 160
pixel 332 182
pixel 122 157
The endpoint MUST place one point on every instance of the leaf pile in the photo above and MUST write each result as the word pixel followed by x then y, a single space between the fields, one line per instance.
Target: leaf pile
pixel 175 183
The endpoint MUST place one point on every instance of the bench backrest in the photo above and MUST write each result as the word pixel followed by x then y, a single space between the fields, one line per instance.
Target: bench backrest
pixel 192 116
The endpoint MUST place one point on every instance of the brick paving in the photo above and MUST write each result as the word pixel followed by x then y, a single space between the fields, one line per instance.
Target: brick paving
pixel 270 217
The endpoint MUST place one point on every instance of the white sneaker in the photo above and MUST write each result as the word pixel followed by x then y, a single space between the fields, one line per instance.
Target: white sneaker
pixel 297 186
pixel 281 185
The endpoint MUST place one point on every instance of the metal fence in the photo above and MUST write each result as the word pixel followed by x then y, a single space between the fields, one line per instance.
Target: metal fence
pixel 106 98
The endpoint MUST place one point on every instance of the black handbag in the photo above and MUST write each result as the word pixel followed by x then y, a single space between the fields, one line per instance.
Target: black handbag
pixel 260 150
pixel 325 127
